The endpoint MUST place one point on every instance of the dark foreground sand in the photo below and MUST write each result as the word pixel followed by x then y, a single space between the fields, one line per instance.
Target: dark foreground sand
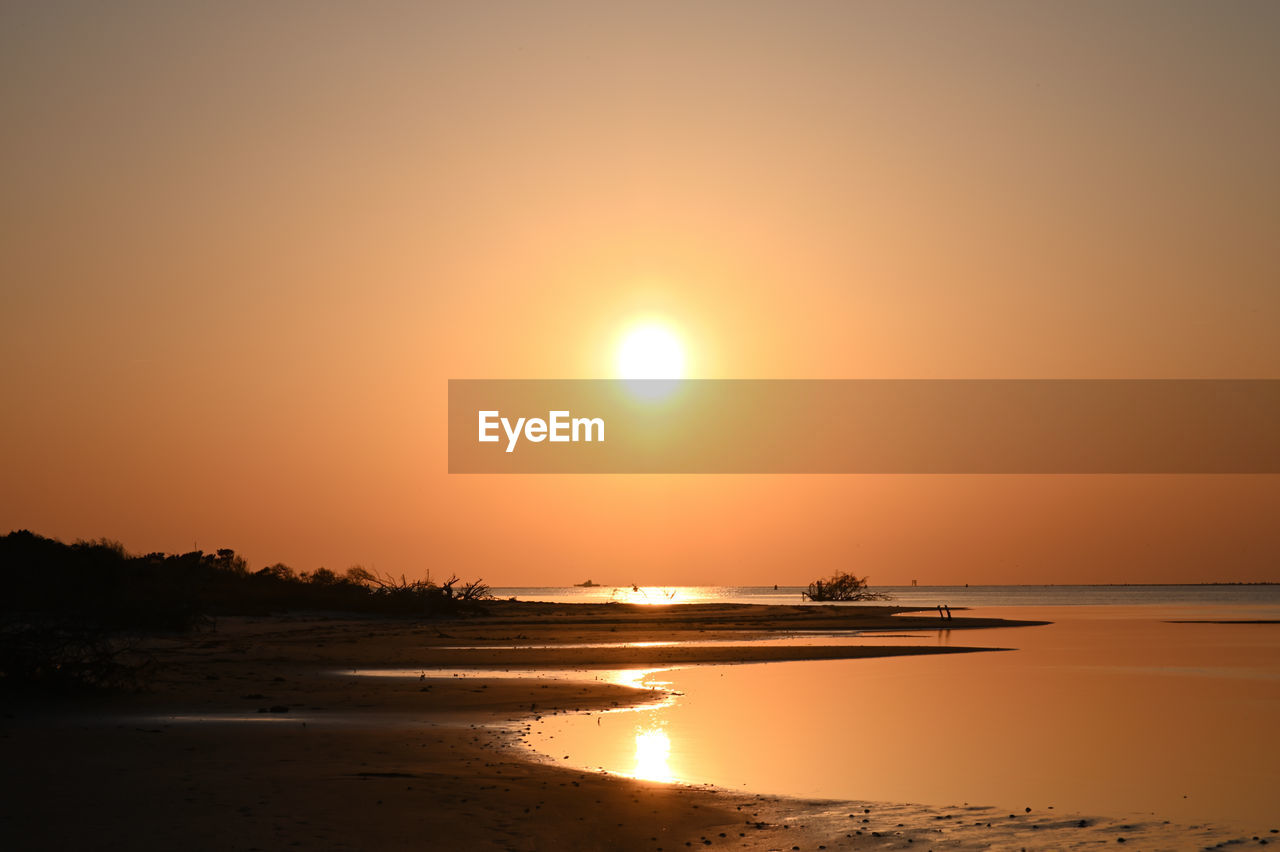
pixel 394 763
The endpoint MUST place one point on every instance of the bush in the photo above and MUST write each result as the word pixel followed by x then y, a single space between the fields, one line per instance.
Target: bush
pixel 73 615
pixel 842 587
pixel 64 657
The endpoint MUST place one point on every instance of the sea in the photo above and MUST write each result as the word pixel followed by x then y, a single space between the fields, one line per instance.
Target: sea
pixel 1261 595
pixel 1155 703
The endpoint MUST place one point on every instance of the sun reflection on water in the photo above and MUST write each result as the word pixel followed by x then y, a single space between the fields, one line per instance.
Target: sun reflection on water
pixel 637 678
pixel 653 748
pixel 659 594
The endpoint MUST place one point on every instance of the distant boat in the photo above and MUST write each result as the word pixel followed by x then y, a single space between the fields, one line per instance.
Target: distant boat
pixel 585 585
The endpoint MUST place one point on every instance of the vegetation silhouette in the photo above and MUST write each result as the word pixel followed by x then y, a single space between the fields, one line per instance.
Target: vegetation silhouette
pixel 842 586
pixel 74 615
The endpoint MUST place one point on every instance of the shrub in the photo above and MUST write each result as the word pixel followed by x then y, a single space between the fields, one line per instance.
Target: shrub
pixel 842 587
pixel 65 657
pixel 72 615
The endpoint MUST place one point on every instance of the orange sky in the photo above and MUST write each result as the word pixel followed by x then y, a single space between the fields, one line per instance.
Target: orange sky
pixel 243 249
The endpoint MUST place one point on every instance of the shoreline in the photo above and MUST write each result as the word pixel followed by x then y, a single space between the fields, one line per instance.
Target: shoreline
pixel 365 762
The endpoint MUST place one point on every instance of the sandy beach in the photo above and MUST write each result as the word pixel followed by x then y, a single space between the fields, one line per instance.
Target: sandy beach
pixel 253 734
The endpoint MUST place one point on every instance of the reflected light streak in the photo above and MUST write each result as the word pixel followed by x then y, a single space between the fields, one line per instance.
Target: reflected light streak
pixel 653 748
pixel 658 595
pixel 637 678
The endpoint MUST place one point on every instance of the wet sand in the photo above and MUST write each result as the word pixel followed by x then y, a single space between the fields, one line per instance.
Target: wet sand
pixel 250 736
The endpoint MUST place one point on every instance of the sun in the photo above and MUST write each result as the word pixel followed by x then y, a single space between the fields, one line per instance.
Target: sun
pixel 650 351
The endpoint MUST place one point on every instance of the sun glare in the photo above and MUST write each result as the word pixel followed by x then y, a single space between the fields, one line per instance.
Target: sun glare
pixel 653 748
pixel 650 352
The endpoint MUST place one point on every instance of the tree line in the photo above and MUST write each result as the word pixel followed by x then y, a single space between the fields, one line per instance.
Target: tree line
pixel 70 612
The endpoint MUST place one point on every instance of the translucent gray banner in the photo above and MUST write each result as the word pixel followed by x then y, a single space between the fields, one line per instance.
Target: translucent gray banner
pixel 864 426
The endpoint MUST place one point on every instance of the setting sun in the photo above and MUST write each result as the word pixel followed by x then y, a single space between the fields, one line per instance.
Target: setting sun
pixel 650 352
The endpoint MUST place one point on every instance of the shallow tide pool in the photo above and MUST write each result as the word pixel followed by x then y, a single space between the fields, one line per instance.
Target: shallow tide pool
pixel 1108 711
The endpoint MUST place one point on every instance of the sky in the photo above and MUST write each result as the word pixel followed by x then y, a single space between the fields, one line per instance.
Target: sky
pixel 244 246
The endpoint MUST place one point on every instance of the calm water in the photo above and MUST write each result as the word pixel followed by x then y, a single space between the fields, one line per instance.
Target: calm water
pixel 971 596
pixel 1111 710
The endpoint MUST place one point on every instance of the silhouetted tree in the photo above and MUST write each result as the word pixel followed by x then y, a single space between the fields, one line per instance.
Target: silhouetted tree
pixel 842 587
pixel 279 571
pixel 72 614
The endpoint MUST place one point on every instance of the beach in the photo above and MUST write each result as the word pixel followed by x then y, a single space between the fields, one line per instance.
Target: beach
pixel 255 734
